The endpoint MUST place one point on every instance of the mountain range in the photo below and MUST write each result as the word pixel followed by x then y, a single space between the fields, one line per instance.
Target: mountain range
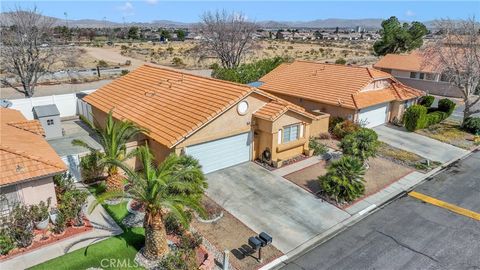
pixel 371 23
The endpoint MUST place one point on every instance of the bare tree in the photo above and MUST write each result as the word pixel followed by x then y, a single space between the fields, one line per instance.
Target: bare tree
pixel 457 55
pixel 228 36
pixel 25 51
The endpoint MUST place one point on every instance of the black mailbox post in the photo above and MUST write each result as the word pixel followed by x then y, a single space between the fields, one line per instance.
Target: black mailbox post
pixel 257 242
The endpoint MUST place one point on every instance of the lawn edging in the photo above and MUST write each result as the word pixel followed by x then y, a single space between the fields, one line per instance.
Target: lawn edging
pixel 367 211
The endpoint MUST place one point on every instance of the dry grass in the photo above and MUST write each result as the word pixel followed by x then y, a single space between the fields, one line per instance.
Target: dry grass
pixel 449 132
pixel 193 56
pixel 405 158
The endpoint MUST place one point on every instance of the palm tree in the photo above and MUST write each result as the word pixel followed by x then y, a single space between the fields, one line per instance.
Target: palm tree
pixel 176 185
pixel 113 138
pixel 344 179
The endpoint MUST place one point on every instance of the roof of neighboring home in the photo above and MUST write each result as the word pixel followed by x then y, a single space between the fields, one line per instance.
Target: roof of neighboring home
pixel 407 62
pixel 46 110
pixel 24 153
pixel 337 85
pixel 172 105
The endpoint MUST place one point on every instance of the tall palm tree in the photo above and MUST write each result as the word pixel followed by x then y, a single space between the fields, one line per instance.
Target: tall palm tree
pixel 176 185
pixel 113 137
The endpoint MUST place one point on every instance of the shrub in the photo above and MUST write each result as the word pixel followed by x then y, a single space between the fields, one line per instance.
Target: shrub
pixel 362 144
pixel 247 73
pixel 172 226
pixel 177 61
pixel 60 223
pixel 72 202
pixel 340 61
pixel 415 117
pixel 472 125
pixel 22 226
pixel 318 148
pixel 124 72
pixel 346 127
pixel 344 179
pixel 6 242
pixel 333 121
pixel 102 63
pixel 90 166
pixel 324 136
pixel 427 101
pixel 435 118
pixel 446 105
pixel 40 212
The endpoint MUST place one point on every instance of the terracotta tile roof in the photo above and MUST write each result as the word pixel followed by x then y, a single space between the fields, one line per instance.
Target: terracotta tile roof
pixel 33 126
pixel 277 107
pixel 170 104
pixel 407 62
pixel 337 85
pixel 24 154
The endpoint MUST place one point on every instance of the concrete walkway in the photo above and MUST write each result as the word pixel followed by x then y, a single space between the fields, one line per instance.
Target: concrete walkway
pixel 423 146
pixel 267 202
pixel 285 170
pixel 104 227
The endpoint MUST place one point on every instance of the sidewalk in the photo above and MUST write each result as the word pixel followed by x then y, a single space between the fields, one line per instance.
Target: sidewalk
pixel 104 227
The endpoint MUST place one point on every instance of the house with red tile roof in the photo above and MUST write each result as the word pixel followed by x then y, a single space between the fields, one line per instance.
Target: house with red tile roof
pixel 218 122
pixel 27 162
pixel 418 71
pixel 362 94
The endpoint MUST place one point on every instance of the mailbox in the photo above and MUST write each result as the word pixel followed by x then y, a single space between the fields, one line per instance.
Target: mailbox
pixel 266 238
pixel 255 242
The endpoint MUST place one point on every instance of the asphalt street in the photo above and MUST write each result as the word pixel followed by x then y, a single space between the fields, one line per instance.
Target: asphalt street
pixel 409 233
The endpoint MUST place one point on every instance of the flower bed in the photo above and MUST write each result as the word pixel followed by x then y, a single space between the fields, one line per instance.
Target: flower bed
pixel 39 241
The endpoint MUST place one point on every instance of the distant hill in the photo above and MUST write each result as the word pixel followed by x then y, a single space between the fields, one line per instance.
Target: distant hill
pixel 371 23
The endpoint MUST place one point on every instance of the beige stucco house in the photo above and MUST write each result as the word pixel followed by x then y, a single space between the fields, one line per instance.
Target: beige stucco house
pixel 415 70
pixel 27 162
pixel 362 94
pixel 218 122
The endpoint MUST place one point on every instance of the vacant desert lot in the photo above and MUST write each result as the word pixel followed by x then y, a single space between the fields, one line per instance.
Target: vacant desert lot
pixel 191 55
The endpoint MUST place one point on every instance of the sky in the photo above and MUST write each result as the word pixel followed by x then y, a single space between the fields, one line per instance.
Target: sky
pixel 190 11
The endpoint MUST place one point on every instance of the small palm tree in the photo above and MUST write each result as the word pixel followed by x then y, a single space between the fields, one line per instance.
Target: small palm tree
pixel 175 185
pixel 344 179
pixel 113 138
pixel 362 144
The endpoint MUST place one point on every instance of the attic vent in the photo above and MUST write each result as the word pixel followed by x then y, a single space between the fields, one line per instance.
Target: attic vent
pixel 19 168
pixel 315 72
pixel 164 83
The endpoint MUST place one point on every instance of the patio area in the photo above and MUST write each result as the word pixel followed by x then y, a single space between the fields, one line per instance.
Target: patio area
pixel 73 129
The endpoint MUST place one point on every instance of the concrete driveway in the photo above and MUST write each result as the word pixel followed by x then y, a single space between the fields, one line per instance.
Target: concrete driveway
pixel 270 203
pixel 418 144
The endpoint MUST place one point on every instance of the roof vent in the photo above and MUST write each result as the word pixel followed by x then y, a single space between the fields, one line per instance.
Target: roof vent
pixel 19 168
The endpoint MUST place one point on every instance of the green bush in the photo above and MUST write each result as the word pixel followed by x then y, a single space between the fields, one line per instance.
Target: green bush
pixel 427 101
pixel 333 121
pixel 317 147
pixel 247 73
pixel 415 117
pixel 346 127
pixel 6 242
pixel 344 179
pixel 472 125
pixel 435 118
pixel 446 105
pixel 90 166
pixel 340 61
pixel 362 144
pixel 102 63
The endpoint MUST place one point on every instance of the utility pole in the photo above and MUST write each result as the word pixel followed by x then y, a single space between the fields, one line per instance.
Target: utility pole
pixel 66 25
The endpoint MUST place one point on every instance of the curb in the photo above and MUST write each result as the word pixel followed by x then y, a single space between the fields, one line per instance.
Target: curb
pixel 349 222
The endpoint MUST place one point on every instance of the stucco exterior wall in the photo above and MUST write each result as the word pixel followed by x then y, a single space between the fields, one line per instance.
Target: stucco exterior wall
pixel 35 191
pixel 319 125
pixel 309 105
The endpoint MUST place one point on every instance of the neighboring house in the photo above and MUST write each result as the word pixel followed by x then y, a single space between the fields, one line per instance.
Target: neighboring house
pixel 218 122
pixel 413 70
pixel 27 162
pixel 366 95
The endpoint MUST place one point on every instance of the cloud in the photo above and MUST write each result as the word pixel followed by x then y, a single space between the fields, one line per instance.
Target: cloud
pixel 409 13
pixel 151 2
pixel 126 9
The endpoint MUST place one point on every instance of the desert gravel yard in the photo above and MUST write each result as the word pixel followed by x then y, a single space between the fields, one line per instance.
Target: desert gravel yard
pixel 449 132
pixel 381 173
pixel 231 234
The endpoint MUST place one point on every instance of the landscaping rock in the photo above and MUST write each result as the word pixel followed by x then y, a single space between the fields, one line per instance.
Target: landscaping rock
pixel 133 220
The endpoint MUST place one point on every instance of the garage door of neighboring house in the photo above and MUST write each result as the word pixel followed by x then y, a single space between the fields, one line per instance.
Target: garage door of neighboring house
pixel 374 116
pixel 73 165
pixel 222 153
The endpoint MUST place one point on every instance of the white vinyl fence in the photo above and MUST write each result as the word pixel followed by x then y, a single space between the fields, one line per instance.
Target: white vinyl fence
pixel 67 104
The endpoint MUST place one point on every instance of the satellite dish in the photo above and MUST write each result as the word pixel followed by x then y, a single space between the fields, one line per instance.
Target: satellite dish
pixel 5 103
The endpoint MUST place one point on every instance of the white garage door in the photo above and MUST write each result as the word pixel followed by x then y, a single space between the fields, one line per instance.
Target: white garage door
pixel 222 153
pixel 374 116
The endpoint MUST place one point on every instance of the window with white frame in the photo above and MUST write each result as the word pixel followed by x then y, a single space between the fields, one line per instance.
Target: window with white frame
pixel 291 133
